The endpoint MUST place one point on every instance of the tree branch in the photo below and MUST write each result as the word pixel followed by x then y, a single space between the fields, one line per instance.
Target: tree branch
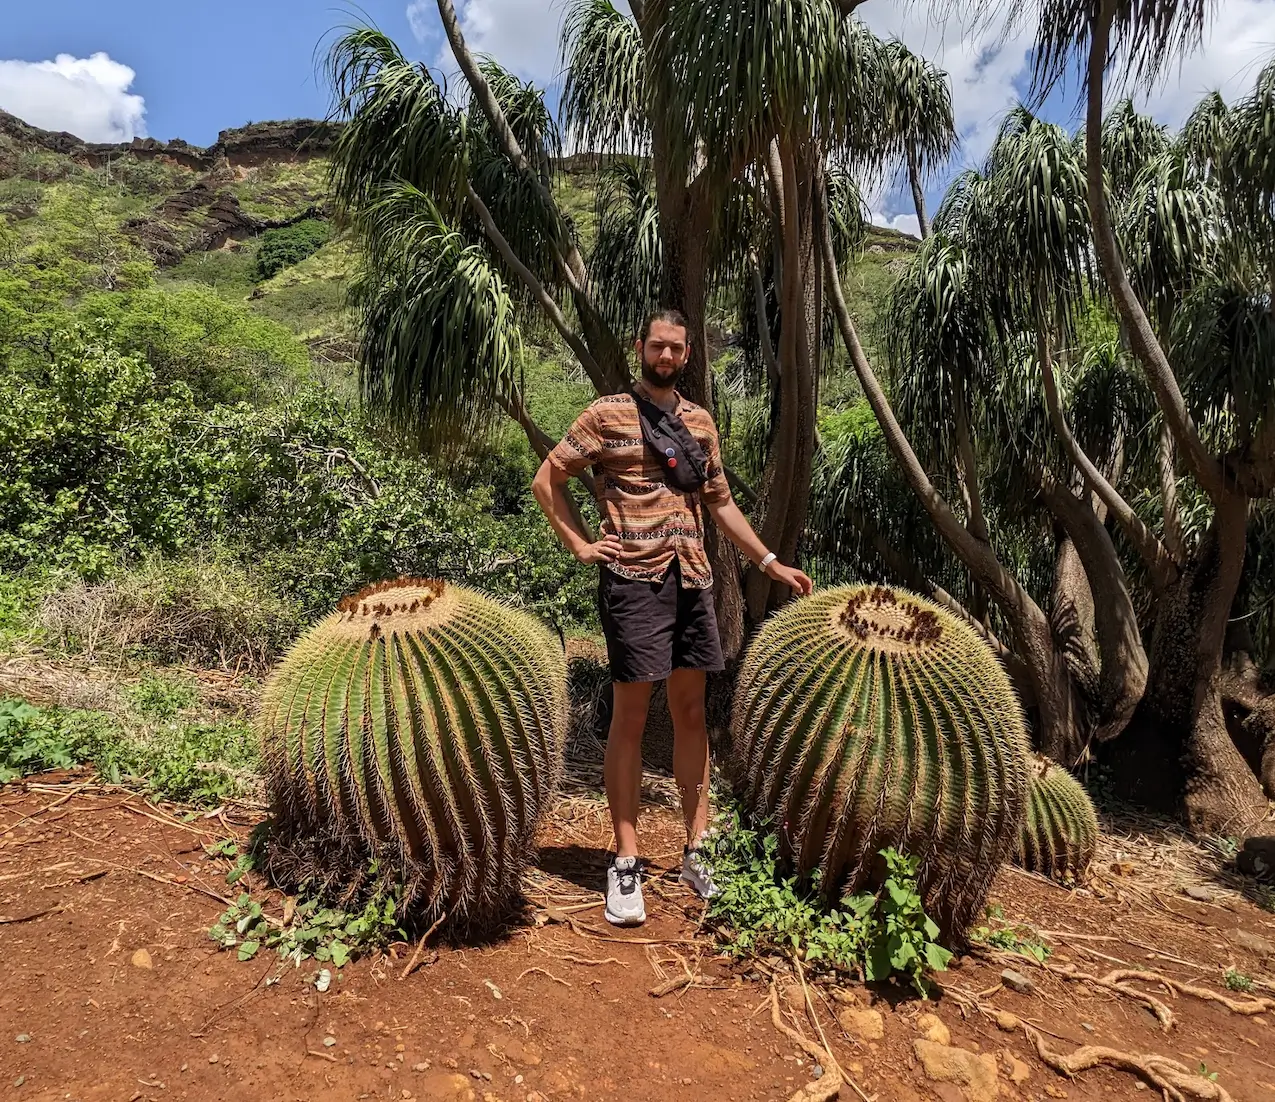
pixel 1159 562
pixel 918 192
pixel 1173 538
pixel 763 325
pixel 596 375
pixel 1155 364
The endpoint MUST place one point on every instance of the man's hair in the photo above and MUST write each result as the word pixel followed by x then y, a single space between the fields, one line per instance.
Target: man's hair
pixel 669 317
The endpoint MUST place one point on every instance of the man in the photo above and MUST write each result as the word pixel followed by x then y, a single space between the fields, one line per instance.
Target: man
pixel 655 592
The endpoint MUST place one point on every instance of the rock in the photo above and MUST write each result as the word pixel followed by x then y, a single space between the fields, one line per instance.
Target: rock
pixel 1257 857
pixel 1016 981
pixel 328 1042
pixel 142 959
pixel 1055 1092
pixel 19 1080
pixel 933 1029
pixel 1254 943
pixel 1006 1021
pixel 817 1071
pixel 974 1074
pixel 1017 1071
pixel 23 1038
pixel 422 1066
pixel 1198 893
pixel 213 1058
pixel 866 1025
pixel 447 1086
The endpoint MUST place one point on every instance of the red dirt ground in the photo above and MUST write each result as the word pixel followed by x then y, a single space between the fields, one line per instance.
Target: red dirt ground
pixel 88 879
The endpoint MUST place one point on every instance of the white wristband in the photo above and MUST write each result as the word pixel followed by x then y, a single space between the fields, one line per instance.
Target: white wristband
pixel 766 562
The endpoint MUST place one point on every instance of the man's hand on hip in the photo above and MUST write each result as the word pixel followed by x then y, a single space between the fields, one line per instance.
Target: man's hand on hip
pixel 791 577
pixel 607 549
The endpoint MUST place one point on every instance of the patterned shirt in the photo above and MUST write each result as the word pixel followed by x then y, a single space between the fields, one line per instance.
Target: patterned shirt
pixel 654 521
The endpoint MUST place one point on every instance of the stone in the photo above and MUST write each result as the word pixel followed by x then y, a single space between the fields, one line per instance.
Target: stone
pixel 214 1058
pixel 1257 857
pixel 1254 943
pixel 975 1074
pixel 422 1066
pixel 329 1041
pixel 1017 1071
pixel 933 1029
pixel 23 1038
pixel 447 1086
pixel 1016 981
pixel 142 959
pixel 1198 893
pixel 1055 1092
pixel 866 1025
pixel 1006 1021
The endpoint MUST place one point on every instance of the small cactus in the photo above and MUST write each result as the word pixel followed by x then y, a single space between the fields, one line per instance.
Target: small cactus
pixel 866 718
pixel 1060 834
pixel 421 724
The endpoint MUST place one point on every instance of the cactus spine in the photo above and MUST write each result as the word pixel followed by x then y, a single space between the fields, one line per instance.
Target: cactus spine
pixel 864 718
pixel 425 721
pixel 1060 835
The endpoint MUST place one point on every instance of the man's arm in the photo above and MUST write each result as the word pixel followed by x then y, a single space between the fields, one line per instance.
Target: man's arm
pixel 731 520
pixel 550 488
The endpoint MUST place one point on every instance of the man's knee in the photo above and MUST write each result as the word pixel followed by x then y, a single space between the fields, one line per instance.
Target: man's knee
pixel 687 710
pixel 629 705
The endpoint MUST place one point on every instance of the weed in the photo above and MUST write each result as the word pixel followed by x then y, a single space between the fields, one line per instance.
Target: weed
pixel 1209 1075
pixel 322 933
pixel 1235 980
pixel 759 909
pixel 1014 938
pixel 1266 899
pixel 161 698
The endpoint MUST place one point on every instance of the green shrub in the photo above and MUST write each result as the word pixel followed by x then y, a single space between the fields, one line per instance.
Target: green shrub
pixel 290 245
pixel 760 910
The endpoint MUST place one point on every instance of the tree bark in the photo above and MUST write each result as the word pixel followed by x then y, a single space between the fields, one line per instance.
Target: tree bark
pixel 918 192
pixel 1178 755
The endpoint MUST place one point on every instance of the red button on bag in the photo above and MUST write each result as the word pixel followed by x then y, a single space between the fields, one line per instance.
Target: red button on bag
pixel 672 462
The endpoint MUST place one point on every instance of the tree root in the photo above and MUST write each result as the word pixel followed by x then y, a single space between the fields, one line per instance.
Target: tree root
pixel 1176 1081
pixel 1247 1007
pixel 824 1089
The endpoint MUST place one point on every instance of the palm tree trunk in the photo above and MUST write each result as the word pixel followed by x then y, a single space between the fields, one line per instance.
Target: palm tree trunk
pixel 1173 539
pixel 918 192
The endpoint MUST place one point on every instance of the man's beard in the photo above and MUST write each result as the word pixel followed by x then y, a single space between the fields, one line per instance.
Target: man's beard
pixel 659 379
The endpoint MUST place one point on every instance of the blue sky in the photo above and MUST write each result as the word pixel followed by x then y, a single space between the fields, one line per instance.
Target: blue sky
pixel 110 69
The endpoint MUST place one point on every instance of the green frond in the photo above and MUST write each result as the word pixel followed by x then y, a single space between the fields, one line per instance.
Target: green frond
pixel 627 258
pixel 847 213
pixel 603 98
pixel 918 101
pixel 1146 36
pixel 1130 142
pixel 439 337
pixel 399 126
pixel 523 105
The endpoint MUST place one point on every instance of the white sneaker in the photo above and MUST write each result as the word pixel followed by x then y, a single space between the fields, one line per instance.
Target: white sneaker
pixel 698 872
pixel 624 892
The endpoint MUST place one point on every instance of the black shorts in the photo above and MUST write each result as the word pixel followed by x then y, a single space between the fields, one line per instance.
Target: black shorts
pixel 653 628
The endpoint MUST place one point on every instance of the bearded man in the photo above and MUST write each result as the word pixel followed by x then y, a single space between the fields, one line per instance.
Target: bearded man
pixel 655 455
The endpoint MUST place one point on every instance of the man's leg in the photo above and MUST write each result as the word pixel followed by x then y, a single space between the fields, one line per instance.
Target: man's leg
pixel 623 770
pixel 690 748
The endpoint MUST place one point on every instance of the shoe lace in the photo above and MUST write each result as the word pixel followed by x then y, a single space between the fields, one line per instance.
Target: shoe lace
pixel 628 878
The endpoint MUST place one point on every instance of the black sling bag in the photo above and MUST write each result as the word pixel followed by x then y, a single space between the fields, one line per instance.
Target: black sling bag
pixel 682 460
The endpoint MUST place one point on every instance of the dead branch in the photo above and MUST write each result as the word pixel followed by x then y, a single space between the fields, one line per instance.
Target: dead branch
pixel 821 1090
pixel 420 947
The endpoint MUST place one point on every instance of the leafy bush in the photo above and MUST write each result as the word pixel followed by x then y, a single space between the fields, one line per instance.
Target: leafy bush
pixel 290 245
pixel 324 934
pixel 761 910
pixel 204 609
pixel 194 763
pixel 1237 981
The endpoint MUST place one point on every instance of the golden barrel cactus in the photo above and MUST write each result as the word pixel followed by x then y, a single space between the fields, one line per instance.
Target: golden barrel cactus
pixel 1060 834
pixel 866 718
pixel 422 724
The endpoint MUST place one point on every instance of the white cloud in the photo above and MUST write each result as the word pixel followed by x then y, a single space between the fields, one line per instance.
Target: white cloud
pixel 1239 41
pixel 904 223
pixel 87 96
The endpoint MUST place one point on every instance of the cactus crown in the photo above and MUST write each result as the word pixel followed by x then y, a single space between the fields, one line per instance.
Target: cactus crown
pixel 879 618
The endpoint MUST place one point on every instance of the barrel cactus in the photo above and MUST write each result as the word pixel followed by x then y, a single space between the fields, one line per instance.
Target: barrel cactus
pixel 418 729
pixel 1060 835
pixel 867 718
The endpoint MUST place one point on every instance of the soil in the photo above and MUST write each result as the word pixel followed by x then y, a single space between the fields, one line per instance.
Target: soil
pixel 112 989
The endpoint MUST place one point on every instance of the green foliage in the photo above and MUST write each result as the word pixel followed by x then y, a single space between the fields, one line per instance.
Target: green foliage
pixel 220 349
pixel 1236 980
pixel 197 762
pixel 319 933
pixel 290 245
pixel 1266 899
pixel 1013 938
pixel 761 909
pixel 161 698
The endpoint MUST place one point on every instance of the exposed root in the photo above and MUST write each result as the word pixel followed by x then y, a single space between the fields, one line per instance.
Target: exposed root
pixel 1247 1007
pixel 543 972
pixel 420 947
pixel 1174 1080
pixel 829 1085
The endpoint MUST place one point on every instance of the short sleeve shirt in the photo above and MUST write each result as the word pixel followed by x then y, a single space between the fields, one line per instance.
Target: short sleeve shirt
pixel 654 521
